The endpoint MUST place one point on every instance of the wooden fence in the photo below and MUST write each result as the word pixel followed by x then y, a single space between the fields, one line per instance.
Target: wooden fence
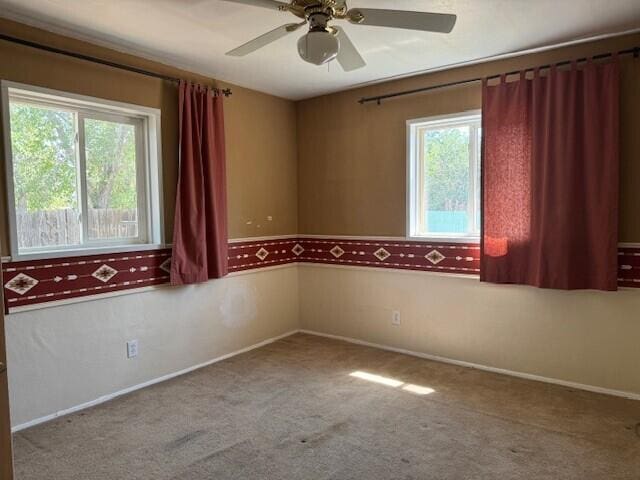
pixel 45 228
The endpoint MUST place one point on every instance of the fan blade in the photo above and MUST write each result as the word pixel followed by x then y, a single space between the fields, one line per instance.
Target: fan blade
pixel 270 4
pixel 425 21
pixel 264 39
pixel 348 57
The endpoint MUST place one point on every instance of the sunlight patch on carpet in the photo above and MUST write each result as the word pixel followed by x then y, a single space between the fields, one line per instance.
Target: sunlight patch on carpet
pixel 392 382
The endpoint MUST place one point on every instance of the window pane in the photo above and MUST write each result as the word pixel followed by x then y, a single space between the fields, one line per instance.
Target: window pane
pixel 111 180
pixel 446 182
pixel 45 176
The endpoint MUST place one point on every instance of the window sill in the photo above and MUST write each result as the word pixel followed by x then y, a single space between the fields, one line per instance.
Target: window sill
pixel 80 252
pixel 445 239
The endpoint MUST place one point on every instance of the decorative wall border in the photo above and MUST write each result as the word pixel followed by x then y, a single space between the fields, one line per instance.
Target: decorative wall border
pixel 457 258
pixel 629 266
pixel 250 254
pixel 41 281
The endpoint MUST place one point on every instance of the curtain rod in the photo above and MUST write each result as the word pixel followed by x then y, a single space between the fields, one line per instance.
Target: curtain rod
pixel 378 98
pixel 27 43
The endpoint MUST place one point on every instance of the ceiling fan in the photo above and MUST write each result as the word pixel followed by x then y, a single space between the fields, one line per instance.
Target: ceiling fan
pixel 324 43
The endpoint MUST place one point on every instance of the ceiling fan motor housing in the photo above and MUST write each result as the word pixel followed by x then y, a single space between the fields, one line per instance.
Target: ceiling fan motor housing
pixel 303 8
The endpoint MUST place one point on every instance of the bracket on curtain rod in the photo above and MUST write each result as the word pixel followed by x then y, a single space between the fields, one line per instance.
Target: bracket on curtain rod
pixel 635 51
pixel 39 46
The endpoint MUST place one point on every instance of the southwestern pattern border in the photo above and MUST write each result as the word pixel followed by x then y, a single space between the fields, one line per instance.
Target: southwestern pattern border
pixel 41 281
pixel 457 258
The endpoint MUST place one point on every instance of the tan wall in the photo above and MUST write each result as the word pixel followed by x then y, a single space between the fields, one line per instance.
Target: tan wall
pixel 260 128
pixel 176 327
pixel 62 357
pixel 350 179
pixel 352 157
pixel 351 167
pixel 590 338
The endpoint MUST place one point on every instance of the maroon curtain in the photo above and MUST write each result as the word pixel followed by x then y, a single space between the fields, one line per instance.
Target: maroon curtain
pixel 200 223
pixel 550 179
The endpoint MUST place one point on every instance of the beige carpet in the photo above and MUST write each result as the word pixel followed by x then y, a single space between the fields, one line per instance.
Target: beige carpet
pixel 295 410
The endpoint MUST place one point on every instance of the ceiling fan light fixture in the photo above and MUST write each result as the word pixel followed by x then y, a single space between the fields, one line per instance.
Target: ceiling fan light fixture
pixel 318 47
pixel 326 42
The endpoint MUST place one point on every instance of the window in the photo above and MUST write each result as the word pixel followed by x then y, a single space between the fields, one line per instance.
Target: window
pixel 443 192
pixel 82 173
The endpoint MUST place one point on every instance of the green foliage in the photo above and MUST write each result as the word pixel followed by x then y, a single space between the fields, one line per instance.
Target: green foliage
pixel 447 169
pixel 44 158
pixel 111 164
pixel 43 147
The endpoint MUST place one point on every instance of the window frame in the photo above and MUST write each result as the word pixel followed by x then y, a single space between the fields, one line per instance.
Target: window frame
pixel 415 170
pixel 146 121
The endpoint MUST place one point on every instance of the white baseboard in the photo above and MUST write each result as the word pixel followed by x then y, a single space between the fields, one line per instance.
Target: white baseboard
pixel 111 396
pixel 527 376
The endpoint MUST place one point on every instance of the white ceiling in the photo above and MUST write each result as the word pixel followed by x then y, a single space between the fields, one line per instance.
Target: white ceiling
pixel 195 34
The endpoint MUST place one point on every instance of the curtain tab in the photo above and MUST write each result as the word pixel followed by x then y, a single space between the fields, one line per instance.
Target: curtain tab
pixel 523 75
pixel 503 78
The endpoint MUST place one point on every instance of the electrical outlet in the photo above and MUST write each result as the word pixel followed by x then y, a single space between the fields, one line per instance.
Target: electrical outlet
pixel 395 317
pixel 132 348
